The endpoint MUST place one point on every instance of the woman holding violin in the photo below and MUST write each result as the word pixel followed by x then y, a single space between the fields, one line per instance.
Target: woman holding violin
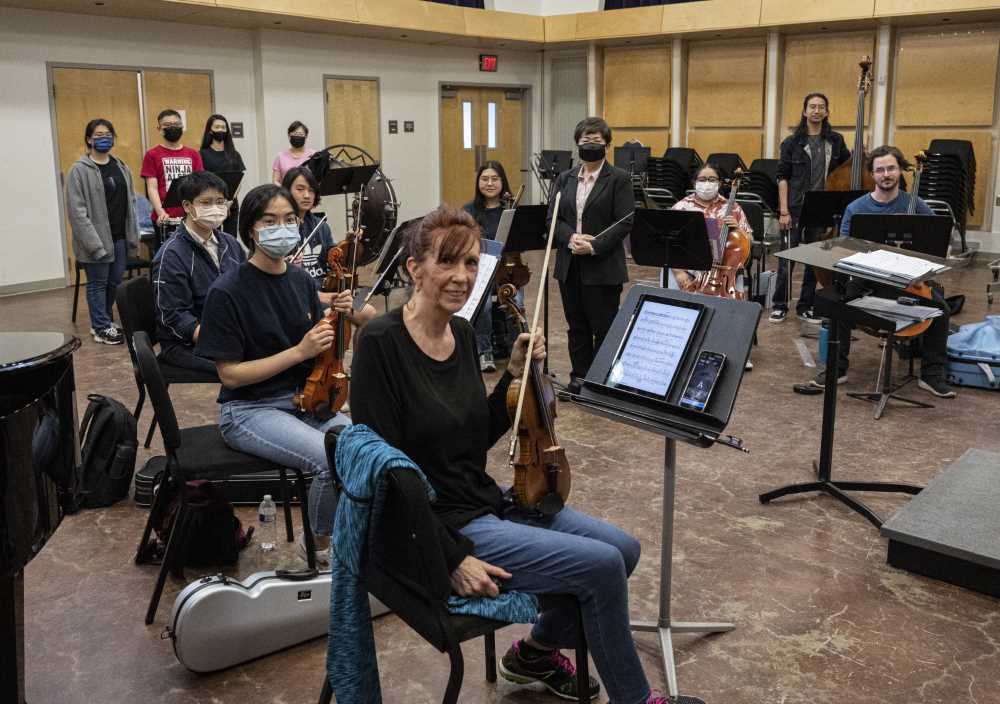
pixel 416 382
pixel 263 324
pixel 707 200
pixel 485 208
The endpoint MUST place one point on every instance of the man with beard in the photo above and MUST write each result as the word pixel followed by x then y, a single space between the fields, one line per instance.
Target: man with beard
pixel 885 164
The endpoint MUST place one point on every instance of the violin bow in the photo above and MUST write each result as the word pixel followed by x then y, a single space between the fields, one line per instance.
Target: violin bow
pixel 306 240
pixel 542 281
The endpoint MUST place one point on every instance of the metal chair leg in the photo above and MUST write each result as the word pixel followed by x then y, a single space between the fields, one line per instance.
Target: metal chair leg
pixel 326 696
pixel 456 675
pixel 76 292
pixel 289 535
pixel 490 643
pixel 582 663
pixel 142 399
pixel 158 506
pixel 307 533
pixel 149 435
pixel 173 546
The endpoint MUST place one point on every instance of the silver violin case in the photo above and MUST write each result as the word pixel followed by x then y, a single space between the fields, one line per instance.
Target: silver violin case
pixel 218 622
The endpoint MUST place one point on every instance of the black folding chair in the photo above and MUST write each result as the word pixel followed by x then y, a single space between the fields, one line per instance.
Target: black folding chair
pixel 198 453
pixel 135 307
pixel 407 572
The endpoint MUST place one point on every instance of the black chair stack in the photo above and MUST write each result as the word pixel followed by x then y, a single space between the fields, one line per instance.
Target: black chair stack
pixel 728 163
pixel 197 453
pixel 667 180
pixel 406 570
pixel 950 176
pixel 761 179
pixel 134 298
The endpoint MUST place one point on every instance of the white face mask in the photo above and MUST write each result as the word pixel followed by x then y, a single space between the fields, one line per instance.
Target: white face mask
pixel 210 216
pixel 706 190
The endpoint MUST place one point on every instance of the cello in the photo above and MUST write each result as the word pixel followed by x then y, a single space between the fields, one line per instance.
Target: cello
pixel 541 470
pixel 721 279
pixel 326 389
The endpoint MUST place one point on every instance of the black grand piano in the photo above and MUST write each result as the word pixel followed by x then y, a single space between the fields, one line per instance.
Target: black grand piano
pixel 39 457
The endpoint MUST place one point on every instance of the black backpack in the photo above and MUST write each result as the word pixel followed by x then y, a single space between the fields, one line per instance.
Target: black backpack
pixel 109 442
pixel 214 534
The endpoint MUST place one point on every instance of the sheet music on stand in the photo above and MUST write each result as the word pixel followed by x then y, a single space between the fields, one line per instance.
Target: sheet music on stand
pixel 892 267
pixel 489 258
pixel 889 309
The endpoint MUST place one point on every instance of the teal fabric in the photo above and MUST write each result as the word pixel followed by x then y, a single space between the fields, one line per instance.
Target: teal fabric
pixel 362 459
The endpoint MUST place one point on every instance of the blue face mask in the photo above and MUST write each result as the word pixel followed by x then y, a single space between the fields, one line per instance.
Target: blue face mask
pixel 103 144
pixel 278 241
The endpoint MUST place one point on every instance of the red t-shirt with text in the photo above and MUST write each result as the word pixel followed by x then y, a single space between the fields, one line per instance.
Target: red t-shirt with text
pixel 167 165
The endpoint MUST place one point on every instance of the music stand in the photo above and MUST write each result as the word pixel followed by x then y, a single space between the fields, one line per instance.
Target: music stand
pixel 726 326
pixel 232 179
pixel 554 161
pixel 528 234
pixel 832 303
pixel 670 239
pixel 344 180
pixel 633 158
pixel 390 259
pixel 925 234
pixel 489 264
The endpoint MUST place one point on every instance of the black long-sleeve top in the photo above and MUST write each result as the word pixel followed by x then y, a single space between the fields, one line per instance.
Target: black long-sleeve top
pixel 438 413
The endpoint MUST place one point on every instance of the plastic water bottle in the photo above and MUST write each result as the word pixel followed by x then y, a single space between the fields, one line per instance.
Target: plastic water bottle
pixel 824 335
pixel 267 524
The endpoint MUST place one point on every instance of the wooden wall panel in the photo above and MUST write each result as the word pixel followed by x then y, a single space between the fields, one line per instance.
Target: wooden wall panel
pixel 725 82
pixel 710 14
pixel 799 11
pixel 637 86
pixel 828 64
pixel 745 142
pixel 944 78
pixel 657 139
pixel 910 141
pixel 352 113
pixel 609 24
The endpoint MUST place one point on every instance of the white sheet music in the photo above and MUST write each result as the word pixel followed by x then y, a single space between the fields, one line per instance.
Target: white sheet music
pixel 487 263
pixel 654 348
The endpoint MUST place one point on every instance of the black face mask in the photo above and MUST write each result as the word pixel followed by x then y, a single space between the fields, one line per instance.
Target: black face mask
pixel 297 141
pixel 219 136
pixel 591 152
pixel 172 134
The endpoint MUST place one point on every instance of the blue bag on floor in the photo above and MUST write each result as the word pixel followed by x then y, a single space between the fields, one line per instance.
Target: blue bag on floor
pixel 974 355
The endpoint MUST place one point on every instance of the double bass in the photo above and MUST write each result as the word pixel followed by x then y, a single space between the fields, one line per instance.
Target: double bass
pixel 327 386
pixel 541 470
pixel 851 175
pixel 721 280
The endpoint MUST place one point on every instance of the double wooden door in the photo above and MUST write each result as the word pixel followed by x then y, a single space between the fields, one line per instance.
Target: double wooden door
pixel 478 125
pixel 131 99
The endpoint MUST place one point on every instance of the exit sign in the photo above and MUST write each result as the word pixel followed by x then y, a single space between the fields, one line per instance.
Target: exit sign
pixel 488 62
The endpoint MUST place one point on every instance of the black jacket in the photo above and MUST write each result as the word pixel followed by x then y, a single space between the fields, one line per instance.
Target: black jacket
pixel 182 272
pixel 794 165
pixel 610 200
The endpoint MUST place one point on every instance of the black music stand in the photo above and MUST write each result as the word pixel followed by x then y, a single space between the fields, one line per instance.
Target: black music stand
pixel 924 234
pixel 670 239
pixel 832 303
pixel 528 234
pixel 633 158
pixel 726 326
pixel 389 260
pixel 554 161
pixel 346 179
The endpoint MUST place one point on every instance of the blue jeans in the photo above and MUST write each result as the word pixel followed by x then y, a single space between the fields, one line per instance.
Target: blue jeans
pixel 572 553
pixel 102 280
pixel 484 327
pixel 273 428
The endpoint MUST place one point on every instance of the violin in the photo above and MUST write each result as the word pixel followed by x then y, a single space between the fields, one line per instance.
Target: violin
pixel 722 278
pixel 512 268
pixel 541 470
pixel 327 386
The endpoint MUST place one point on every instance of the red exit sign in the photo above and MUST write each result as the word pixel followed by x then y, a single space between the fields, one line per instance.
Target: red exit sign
pixel 488 62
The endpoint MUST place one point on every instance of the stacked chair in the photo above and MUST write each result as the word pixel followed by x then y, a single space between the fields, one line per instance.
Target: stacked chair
pixel 761 180
pixel 949 179
pixel 667 181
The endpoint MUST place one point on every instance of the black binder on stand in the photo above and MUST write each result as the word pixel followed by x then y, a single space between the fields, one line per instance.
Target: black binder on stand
pixel 721 326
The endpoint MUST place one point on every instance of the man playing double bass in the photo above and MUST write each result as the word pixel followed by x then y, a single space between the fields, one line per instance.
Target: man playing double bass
pixel 812 152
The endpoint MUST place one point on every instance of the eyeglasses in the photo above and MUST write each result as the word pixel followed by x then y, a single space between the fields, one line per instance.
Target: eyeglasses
pixel 883 170
pixel 207 202
pixel 706 179
pixel 97 135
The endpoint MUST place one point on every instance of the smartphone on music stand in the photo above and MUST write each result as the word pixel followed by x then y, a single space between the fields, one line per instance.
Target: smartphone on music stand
pixel 701 383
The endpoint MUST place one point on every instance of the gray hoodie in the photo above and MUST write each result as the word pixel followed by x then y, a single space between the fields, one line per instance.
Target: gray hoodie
pixel 88 212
